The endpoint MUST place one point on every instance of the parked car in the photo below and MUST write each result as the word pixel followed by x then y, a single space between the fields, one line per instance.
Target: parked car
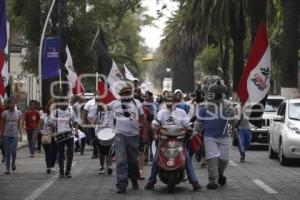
pixel 285 132
pixel 261 135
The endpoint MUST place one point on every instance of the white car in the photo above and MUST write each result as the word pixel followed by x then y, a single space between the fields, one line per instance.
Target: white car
pixel 285 132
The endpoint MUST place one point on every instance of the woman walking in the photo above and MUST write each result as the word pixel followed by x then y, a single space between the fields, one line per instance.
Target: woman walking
pixel 11 129
pixel 48 141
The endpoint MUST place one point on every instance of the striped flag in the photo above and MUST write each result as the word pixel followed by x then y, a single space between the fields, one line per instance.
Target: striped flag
pixel 255 81
pixel 72 77
pixel 4 76
pixel 109 86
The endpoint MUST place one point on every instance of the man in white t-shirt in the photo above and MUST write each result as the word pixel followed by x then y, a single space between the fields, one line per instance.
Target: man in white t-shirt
pixel 129 115
pixel 172 116
pixel 64 119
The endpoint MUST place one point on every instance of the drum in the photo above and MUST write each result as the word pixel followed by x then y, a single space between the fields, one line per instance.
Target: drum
pixel 62 136
pixel 105 136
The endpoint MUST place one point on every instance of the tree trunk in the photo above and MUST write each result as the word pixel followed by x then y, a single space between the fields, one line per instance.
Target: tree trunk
pixel 238 30
pixel 257 13
pixel 289 68
pixel 183 73
pixel 225 63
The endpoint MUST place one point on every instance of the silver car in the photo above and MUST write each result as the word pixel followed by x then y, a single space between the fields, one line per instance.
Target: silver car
pixel 285 132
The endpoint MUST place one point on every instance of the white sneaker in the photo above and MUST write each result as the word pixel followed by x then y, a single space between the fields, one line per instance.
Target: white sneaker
pixel 102 170
pixel 53 169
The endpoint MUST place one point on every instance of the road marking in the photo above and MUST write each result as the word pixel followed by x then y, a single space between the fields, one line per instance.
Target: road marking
pixel 265 187
pixel 41 189
pixel 44 187
pixel 233 163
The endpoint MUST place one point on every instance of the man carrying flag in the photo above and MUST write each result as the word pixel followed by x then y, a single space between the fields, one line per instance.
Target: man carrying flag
pixel 254 87
pixel 129 116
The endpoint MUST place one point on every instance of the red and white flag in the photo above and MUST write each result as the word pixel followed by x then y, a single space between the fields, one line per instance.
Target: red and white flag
pixel 255 81
pixel 72 77
pixel 110 79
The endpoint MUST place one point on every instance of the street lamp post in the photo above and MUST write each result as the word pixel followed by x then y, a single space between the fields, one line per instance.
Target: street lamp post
pixel 41 48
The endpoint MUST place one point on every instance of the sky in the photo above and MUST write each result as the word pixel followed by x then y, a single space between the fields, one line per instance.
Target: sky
pixel 153 34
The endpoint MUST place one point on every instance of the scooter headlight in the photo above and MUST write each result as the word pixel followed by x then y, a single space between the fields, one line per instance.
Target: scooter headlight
pixel 172 153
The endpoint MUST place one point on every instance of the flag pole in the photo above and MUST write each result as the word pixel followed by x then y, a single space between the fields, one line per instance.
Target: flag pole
pixel 59 70
pixel 41 48
pixel 96 80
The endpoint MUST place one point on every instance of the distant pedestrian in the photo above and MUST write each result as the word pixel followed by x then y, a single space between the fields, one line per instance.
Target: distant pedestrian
pixel 32 121
pixel 11 130
pixel 49 144
pixel 244 135
pixel 2 148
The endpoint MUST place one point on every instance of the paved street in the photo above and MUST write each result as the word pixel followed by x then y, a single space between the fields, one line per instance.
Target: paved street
pixel 258 178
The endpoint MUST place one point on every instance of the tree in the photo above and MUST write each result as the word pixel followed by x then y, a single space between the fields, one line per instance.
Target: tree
pixel 289 66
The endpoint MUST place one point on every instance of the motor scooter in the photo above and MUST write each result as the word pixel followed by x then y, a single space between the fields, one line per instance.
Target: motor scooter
pixel 171 156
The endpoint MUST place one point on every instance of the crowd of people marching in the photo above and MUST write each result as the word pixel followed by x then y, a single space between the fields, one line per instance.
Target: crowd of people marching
pixel 134 118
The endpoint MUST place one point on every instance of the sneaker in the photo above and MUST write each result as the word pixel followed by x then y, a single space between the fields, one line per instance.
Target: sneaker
pixel 109 171
pixel 53 169
pixel 32 156
pixel 61 174
pixel 13 166
pixel 196 186
pixel 212 186
pixel 102 170
pixel 141 177
pixel 222 179
pixel 149 186
pixel 68 175
pixel 242 159
pixel 135 184
pixel 48 171
pixel 7 172
pixel 121 190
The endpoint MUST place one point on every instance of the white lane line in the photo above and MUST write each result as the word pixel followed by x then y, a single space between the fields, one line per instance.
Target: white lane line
pixel 232 163
pixel 44 187
pixel 265 187
pixel 41 189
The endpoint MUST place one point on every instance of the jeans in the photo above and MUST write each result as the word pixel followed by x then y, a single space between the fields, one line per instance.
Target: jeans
pixel 61 155
pixel 127 153
pixel 10 144
pixel 244 136
pixel 188 166
pixel 50 153
pixel 32 138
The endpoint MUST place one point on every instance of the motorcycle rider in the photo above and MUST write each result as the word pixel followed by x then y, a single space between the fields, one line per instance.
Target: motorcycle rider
pixel 172 116
pixel 213 117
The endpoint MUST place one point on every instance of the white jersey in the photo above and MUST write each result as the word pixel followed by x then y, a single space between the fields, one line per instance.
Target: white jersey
pixel 176 117
pixel 127 116
pixel 100 118
pixel 63 119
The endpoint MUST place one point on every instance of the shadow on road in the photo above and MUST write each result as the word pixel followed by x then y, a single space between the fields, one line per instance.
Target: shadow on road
pixel 258 147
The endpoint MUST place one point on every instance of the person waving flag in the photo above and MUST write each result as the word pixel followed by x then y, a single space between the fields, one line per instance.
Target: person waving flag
pixel 255 81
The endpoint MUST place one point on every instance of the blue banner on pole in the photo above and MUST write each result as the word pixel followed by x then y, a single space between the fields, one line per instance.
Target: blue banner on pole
pixel 51 57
